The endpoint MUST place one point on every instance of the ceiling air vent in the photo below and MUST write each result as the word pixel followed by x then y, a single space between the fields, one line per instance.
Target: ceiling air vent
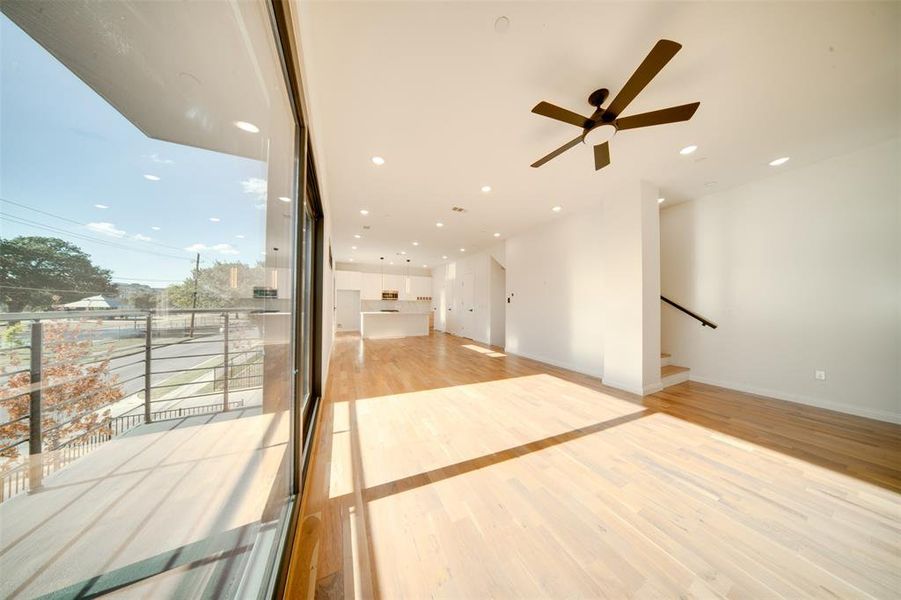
pixel 458 209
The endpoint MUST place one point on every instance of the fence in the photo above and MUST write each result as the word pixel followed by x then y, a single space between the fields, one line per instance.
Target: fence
pixel 49 425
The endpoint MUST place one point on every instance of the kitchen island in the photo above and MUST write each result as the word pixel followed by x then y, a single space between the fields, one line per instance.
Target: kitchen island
pixel 381 325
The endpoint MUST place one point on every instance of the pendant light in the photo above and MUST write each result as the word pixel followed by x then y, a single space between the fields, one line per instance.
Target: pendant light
pixel 407 283
pixel 382 271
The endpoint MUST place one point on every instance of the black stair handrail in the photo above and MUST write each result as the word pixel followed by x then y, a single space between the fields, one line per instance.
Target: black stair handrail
pixel 704 322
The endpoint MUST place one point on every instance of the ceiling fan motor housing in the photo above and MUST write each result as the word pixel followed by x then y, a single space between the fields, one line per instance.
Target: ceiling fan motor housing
pixel 600 133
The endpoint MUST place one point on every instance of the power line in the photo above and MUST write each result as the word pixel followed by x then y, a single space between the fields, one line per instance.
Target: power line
pixel 67 219
pixel 30 223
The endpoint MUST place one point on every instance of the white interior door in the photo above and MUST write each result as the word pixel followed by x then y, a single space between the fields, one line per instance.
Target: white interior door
pixel 450 312
pixel 347 310
pixel 466 297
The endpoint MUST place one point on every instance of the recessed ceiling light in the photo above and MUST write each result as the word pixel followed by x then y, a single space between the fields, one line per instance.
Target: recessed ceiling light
pixel 284 199
pixel 496 234
pixel 444 257
pixel 357 235
pixel 688 149
pixel 101 206
pixel 391 262
pixel 240 236
pixel 486 188
pixel 350 260
pixel 378 160
pixel 439 224
pixel 364 212
pixel 403 251
pixel 155 228
pixel 151 177
pixel 557 208
pixel 779 161
pixel 660 200
pixel 415 243
pixel 353 247
pixel 462 249
pixel 245 126
pixel 425 266
pixel 215 219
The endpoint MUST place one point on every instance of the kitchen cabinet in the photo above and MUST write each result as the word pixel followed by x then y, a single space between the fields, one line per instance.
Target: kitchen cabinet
pixel 393 282
pixel 371 286
pixel 348 280
pixel 421 287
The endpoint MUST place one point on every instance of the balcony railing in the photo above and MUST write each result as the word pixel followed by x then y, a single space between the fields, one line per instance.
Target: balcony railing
pixel 70 382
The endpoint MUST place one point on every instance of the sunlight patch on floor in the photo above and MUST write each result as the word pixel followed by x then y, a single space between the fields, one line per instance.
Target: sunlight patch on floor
pixel 485 351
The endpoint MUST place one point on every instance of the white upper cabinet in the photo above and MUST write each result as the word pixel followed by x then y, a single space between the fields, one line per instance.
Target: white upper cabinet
pixel 421 287
pixel 393 282
pixel 371 288
pixel 348 280
pixel 371 285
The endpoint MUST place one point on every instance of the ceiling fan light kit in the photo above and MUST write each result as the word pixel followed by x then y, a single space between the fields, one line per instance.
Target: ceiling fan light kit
pixel 604 123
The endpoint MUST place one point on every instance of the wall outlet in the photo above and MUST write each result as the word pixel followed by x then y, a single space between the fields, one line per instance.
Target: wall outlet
pixel 820 375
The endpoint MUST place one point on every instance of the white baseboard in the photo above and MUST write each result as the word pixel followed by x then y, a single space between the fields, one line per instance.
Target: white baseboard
pixel 558 363
pixel 879 415
pixel 653 388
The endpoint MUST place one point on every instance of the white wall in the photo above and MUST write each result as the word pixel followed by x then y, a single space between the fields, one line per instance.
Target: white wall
pixel 630 299
pixel 498 292
pixel 444 278
pixel 802 272
pixel 554 277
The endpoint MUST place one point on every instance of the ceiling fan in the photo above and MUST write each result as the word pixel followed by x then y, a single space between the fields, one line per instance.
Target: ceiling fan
pixel 602 125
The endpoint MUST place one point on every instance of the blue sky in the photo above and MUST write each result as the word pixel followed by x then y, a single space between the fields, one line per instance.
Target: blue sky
pixel 64 150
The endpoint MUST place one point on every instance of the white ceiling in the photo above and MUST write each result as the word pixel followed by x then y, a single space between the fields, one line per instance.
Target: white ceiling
pixel 446 100
pixel 180 72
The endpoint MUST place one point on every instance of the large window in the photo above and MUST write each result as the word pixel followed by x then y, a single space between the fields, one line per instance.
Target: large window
pixel 149 216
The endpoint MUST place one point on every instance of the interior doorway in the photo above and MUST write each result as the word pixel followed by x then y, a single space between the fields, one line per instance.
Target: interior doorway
pixel 347 310
pixel 498 302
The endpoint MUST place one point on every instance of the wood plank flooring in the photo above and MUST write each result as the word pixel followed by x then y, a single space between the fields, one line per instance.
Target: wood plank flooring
pixel 445 470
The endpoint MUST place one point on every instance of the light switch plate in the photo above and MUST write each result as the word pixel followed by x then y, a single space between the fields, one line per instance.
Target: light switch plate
pixel 820 375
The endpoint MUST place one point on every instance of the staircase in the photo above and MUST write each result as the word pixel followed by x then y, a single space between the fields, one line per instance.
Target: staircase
pixel 671 374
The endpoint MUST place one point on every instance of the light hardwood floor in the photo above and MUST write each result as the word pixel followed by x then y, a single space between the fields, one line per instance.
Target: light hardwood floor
pixel 443 469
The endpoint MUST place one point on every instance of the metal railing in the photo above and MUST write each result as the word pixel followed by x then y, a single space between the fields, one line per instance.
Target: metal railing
pixel 57 404
pixel 704 322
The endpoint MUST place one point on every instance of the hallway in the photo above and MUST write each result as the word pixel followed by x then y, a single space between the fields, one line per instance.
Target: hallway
pixel 442 468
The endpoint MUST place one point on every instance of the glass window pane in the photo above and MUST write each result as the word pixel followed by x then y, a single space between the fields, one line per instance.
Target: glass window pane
pixel 147 223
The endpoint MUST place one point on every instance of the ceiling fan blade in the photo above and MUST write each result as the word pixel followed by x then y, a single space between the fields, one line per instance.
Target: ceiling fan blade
pixel 601 156
pixel 659 55
pixel 546 109
pixel 674 114
pixel 556 152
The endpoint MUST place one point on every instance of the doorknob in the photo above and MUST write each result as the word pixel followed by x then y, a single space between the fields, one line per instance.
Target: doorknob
pixel 470 310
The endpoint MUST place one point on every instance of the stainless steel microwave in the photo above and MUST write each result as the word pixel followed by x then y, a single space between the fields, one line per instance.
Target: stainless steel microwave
pixel 389 295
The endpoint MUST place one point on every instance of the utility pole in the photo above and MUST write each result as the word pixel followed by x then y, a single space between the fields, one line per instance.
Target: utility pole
pixel 194 295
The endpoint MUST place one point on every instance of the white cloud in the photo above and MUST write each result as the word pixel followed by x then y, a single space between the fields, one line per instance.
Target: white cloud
pixel 220 248
pixel 106 229
pixel 141 238
pixel 255 187
pixel 163 161
pixel 225 249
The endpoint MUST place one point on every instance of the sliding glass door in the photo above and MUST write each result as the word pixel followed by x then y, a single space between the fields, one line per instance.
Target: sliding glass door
pixel 156 299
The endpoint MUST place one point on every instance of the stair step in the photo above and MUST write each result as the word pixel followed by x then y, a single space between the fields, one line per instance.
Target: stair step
pixel 673 374
pixel 664 359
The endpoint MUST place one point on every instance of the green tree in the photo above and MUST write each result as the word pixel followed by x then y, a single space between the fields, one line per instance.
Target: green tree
pixel 221 285
pixel 35 270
